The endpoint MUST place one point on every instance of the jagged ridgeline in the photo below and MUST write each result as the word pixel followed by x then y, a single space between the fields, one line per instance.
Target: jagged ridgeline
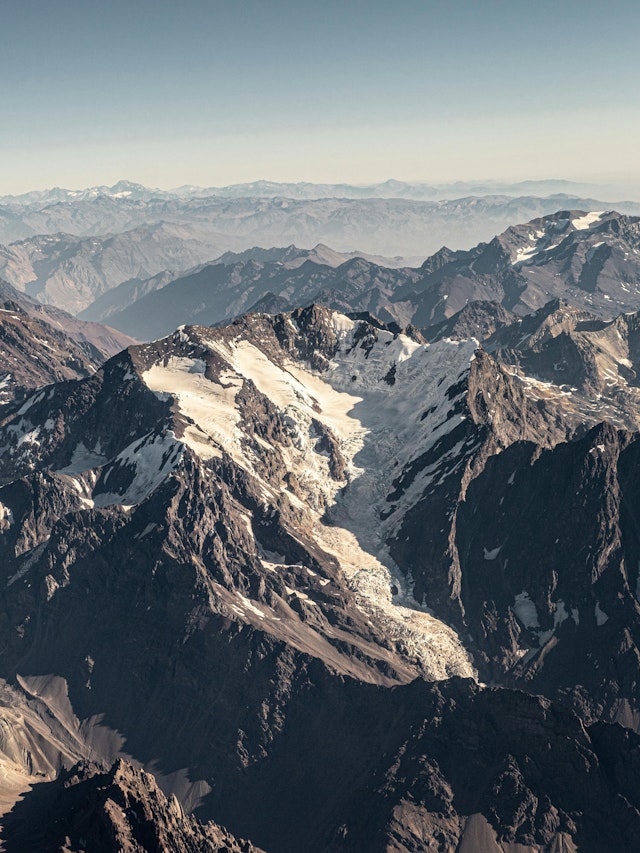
pixel 590 259
pixel 308 569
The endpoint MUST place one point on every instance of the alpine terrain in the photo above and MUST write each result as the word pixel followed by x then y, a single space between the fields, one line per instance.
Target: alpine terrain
pixel 41 344
pixel 325 582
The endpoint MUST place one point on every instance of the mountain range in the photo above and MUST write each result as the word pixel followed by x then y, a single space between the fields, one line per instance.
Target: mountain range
pixel 70 271
pixel 389 227
pixel 385 588
pixel 344 556
pixel 307 190
pixel 74 272
pixel 590 259
pixel 41 344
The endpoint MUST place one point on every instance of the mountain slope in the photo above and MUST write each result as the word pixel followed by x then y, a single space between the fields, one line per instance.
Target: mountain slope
pixel 123 296
pixel 590 259
pixel 217 292
pixel 94 810
pixel 384 776
pixel 40 345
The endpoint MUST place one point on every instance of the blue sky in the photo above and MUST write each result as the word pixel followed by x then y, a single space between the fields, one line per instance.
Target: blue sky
pixel 213 92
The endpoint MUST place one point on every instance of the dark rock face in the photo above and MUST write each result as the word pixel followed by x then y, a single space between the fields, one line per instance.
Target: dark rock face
pixel 100 811
pixel 105 339
pixel 360 767
pixel 270 304
pixel 419 766
pixel 523 543
pixel 91 419
pixel 35 354
pixel 478 319
pixel 566 593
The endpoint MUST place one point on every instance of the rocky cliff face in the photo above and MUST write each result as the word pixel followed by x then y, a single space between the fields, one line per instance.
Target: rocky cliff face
pixel 376 772
pixel 540 508
pixel 296 542
pixel 589 259
pixel 478 319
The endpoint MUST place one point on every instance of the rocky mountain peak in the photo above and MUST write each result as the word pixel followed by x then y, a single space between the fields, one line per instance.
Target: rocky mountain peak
pixel 479 319
pixel 97 810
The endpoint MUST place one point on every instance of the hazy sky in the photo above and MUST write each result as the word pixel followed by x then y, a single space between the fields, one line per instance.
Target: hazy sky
pixel 212 92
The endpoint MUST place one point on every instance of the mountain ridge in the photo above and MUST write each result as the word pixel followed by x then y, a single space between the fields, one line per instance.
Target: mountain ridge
pixel 594 265
pixel 375 547
pixel 319 427
pixel 304 189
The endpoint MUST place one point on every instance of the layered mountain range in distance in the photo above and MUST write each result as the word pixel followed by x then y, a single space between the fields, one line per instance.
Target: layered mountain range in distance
pixel 590 259
pixel 343 556
pixel 307 190
pixel 69 248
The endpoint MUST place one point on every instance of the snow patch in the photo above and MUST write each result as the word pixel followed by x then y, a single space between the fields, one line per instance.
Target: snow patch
pixel 151 526
pixel 251 606
pixel 208 404
pixel 492 554
pixel 152 459
pixel 601 616
pixel 83 459
pixel 524 253
pixel 31 401
pixel 561 613
pixel 6 515
pixel 526 611
pixel 30 437
pixel 585 221
pixel 29 562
